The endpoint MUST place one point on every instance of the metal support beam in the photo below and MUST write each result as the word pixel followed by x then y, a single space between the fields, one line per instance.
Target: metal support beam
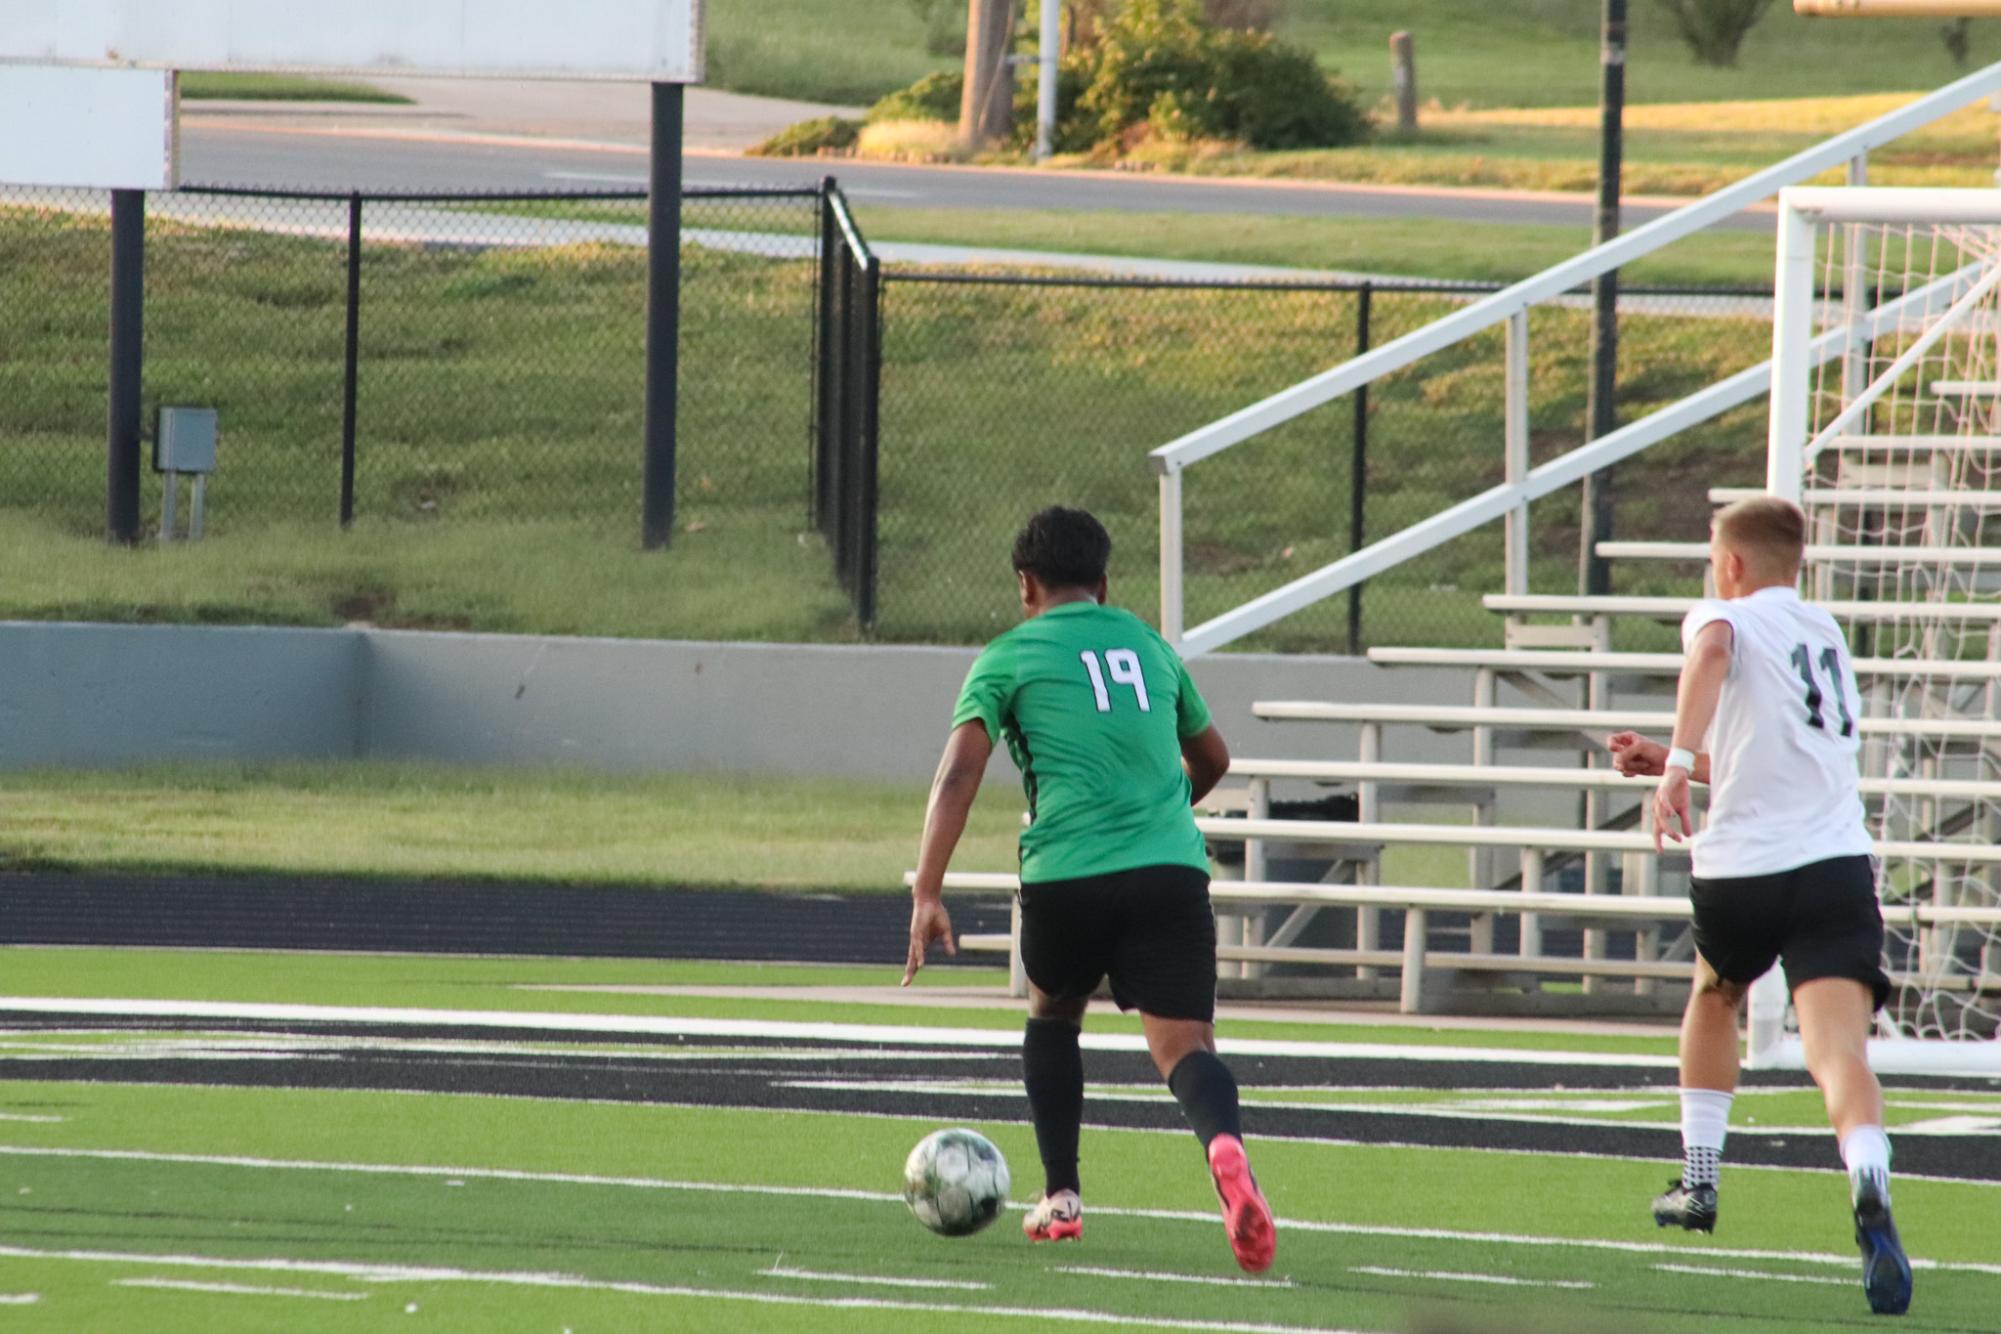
pixel 1515 463
pixel 1171 606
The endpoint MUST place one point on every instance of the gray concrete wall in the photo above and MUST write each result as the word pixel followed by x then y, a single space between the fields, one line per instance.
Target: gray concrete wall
pixel 99 695
pixel 90 695
pixel 878 712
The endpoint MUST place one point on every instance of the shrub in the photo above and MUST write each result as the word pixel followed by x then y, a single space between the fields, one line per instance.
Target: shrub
pixel 1162 66
pixel 910 141
pixel 933 97
pixel 1715 29
pixel 1279 97
pixel 827 134
pixel 1076 132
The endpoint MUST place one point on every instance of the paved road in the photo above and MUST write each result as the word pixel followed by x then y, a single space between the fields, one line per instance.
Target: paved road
pixel 221 149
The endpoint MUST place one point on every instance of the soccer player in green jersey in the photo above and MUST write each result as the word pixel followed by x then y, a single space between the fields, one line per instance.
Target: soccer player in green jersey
pixel 1114 745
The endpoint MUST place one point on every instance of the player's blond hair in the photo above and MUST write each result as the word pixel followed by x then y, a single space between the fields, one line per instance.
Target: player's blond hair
pixel 1769 532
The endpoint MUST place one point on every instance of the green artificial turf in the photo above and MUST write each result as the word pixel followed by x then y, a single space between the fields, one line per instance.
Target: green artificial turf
pixel 645 987
pixel 1350 1260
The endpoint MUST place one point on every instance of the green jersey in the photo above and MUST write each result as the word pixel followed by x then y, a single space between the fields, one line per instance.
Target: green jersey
pixel 1094 706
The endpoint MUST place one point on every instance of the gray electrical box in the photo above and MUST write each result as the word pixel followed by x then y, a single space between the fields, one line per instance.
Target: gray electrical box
pixel 185 440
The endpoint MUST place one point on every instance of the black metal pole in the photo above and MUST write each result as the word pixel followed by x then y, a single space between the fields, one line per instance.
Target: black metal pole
pixel 353 359
pixel 1601 397
pixel 663 316
pixel 868 446
pixel 826 365
pixel 128 341
pixel 1358 468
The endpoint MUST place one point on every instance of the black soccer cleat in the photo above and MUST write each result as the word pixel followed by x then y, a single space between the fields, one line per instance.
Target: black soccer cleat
pixel 1690 1208
pixel 1886 1273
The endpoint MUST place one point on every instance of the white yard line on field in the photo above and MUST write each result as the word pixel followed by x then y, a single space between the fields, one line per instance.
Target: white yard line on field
pixel 686 1026
pixel 1204 1217
pixel 1449 1276
pixel 19 1298
pixel 875 1280
pixel 236 1289
pixel 33 1120
pixel 376 1273
pixel 1708 1272
pixel 1155 1276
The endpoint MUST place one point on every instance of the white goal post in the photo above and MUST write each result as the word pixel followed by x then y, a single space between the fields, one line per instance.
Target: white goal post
pixel 1896 446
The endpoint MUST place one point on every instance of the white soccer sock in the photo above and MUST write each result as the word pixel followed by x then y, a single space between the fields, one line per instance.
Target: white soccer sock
pixel 1705 1121
pixel 1866 1151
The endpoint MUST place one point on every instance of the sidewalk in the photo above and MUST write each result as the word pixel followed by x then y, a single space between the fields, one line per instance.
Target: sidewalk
pixel 609 113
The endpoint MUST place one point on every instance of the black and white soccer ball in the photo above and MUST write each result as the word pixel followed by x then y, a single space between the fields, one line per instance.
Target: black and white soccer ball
pixel 956 1182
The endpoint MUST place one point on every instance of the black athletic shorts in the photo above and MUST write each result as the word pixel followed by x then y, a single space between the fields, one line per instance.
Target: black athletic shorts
pixel 1821 919
pixel 1150 929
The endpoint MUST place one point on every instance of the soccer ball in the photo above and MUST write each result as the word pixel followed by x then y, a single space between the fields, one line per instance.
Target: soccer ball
pixel 956 1182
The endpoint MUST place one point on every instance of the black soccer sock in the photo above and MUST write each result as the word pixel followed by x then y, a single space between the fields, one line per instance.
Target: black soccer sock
pixel 1052 1068
pixel 1207 1092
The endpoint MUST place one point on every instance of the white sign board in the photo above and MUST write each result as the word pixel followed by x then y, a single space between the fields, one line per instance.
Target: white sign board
pixel 108 129
pixel 659 41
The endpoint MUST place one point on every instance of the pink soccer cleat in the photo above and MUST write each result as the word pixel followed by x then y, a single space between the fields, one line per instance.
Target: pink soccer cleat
pixel 1246 1216
pixel 1058 1217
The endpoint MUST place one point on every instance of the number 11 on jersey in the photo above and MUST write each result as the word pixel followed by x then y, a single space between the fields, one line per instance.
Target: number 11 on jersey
pixel 1123 665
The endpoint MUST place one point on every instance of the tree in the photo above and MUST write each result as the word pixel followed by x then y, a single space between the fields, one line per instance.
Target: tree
pixel 986 111
pixel 1715 29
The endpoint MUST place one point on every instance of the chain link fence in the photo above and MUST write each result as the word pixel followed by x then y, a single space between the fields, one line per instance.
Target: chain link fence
pixel 496 371
pixel 474 364
pixel 1003 393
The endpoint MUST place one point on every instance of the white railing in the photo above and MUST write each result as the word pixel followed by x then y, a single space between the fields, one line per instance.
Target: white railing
pixel 1511 305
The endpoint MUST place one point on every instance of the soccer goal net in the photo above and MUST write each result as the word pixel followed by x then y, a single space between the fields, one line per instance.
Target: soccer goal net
pixel 1886 427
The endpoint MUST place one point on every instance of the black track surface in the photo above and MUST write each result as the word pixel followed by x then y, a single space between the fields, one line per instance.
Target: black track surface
pixel 872 1084
pixel 273 913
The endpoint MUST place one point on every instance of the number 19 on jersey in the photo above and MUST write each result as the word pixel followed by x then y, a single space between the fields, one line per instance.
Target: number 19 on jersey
pixel 1122 664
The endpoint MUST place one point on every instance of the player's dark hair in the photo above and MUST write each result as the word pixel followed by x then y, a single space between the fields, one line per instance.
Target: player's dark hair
pixel 1063 548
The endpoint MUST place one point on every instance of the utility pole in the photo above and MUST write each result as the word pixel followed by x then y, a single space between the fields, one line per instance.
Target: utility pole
pixel 1601 396
pixel 1045 88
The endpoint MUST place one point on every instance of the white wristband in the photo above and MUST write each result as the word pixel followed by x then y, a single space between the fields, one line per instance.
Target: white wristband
pixel 1680 758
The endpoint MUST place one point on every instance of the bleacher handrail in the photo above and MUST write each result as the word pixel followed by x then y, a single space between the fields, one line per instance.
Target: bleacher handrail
pixel 1510 500
pixel 1420 774
pixel 1560 278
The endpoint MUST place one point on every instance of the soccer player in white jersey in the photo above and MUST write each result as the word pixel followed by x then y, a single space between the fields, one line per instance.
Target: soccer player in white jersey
pixel 1784 872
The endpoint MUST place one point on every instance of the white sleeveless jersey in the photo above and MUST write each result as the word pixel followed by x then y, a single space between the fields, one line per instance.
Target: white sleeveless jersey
pixel 1782 747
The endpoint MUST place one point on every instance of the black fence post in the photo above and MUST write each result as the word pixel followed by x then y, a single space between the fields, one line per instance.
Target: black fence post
pixel 1358 468
pixel 1594 572
pixel 826 362
pixel 663 317
pixel 866 445
pixel 128 345
pixel 348 383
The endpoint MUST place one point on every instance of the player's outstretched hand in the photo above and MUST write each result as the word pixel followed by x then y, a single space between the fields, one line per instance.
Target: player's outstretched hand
pixel 1670 805
pixel 1635 756
pixel 928 922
